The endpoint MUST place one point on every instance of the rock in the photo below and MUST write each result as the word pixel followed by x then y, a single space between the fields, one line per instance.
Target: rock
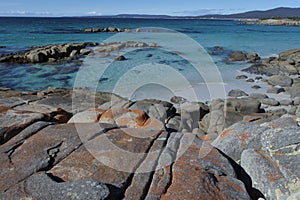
pixel 294 91
pixel 14 121
pixel 130 118
pixel 269 179
pixel 238 137
pixel 285 102
pixel 49 53
pixel 195 171
pixel 250 80
pixel 88 116
pixel 297 113
pixel 270 102
pixel 105 29
pixel 241 77
pixel 256 87
pixel 243 105
pixel 120 58
pixel 41 151
pixel 190 115
pixel 160 110
pixel 275 90
pixel 178 100
pixel 237 93
pixel 280 80
pixel 262 69
pixel 237 56
pixel 296 101
pixel 252 56
pixel 258 96
pixel 41 186
pixel 285 55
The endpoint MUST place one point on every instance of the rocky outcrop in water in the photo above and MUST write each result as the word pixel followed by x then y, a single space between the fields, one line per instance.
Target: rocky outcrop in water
pixel 50 53
pixel 106 29
pixel 67 52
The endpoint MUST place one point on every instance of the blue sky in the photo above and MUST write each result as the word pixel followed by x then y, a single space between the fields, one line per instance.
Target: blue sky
pixel 109 7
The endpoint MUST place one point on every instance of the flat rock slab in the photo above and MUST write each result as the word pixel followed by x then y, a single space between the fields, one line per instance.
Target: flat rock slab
pixel 39 152
pixel 41 186
pixel 14 121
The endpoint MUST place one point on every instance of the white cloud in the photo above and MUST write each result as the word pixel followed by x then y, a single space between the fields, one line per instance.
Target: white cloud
pixel 93 13
pixel 25 13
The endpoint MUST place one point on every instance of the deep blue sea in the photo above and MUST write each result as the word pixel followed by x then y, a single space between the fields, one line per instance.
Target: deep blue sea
pixel 18 34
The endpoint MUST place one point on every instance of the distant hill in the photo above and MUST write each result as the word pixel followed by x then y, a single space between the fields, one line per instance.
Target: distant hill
pixel 276 12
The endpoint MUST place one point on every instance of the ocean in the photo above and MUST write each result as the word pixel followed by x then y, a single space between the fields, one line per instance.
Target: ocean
pixel 147 73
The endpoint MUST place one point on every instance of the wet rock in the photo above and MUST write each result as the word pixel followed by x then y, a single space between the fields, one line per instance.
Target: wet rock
pixel 49 53
pixel 105 29
pixel 250 80
pixel 280 80
pixel 256 87
pixel 237 56
pixel 237 93
pixel 243 77
pixel 120 58
pixel 252 56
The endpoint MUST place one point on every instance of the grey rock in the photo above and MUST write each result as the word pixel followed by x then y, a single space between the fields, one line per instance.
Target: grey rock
pixel 267 176
pixel 270 102
pixel 44 149
pixel 281 80
pixel 237 93
pixel 41 186
pixel 239 137
pixel 298 115
pixel 237 56
pixel 252 56
pixel 256 87
pixel 258 96
pixel 178 100
pixel 294 91
pixel 160 110
pixel 120 58
pixel 250 80
pixel 243 77
pixel 244 105
pixel 296 101
pixel 14 121
pixel 275 90
pixel 286 102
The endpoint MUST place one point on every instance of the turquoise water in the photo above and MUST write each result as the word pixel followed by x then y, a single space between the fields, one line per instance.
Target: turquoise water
pixel 23 33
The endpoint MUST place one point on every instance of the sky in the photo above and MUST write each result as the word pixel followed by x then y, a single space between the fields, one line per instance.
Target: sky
pixel 112 7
